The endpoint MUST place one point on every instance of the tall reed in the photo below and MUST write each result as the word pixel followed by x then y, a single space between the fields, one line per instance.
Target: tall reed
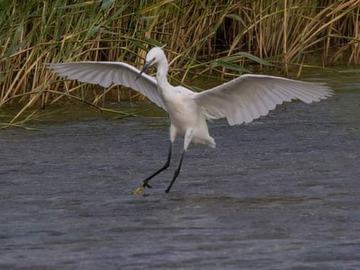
pixel 226 37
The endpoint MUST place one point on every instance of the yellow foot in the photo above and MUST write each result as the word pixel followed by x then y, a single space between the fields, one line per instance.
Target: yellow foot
pixel 138 191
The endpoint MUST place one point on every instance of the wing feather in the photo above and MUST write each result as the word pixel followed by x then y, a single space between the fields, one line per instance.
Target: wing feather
pixel 251 96
pixel 111 73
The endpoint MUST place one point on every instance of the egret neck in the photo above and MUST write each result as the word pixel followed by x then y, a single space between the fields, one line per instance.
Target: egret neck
pixel 161 75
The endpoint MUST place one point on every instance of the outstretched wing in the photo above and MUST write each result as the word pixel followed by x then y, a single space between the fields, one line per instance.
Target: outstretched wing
pixel 111 73
pixel 251 96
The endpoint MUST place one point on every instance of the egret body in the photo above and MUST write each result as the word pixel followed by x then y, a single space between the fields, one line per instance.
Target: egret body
pixel 240 100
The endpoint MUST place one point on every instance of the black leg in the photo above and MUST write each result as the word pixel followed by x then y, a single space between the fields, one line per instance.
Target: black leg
pixel 166 165
pixel 177 171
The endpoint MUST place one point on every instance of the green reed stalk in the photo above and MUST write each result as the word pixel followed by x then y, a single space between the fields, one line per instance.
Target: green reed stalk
pixel 225 38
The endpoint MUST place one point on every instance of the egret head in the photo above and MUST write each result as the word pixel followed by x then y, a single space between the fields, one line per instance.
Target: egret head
pixel 153 57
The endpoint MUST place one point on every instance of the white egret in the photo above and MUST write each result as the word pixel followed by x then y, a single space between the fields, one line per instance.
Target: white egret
pixel 240 100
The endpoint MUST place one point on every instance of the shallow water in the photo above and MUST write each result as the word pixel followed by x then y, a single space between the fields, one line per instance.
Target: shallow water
pixel 279 193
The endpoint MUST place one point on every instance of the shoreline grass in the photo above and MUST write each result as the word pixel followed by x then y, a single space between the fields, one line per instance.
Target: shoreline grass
pixel 224 38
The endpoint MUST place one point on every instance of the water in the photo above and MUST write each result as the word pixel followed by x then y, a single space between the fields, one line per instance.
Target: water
pixel 279 193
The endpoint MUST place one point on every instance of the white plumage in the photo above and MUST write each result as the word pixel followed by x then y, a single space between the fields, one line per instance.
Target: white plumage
pixel 251 96
pixel 110 73
pixel 240 100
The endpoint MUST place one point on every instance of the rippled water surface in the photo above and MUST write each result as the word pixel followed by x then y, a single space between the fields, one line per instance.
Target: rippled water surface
pixel 280 193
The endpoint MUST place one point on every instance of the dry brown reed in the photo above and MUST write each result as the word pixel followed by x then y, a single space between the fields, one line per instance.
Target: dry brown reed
pixel 224 37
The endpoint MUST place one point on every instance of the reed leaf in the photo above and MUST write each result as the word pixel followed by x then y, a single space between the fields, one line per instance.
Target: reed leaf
pixel 222 37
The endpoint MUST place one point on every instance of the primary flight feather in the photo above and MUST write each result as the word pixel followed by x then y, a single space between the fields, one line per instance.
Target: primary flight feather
pixel 240 100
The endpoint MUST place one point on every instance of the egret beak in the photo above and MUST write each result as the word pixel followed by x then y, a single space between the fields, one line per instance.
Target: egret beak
pixel 145 67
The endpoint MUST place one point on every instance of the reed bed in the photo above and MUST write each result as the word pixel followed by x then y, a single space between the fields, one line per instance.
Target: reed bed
pixel 221 38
